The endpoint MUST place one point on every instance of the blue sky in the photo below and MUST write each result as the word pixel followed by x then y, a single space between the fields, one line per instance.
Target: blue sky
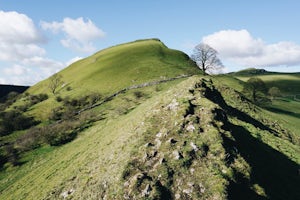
pixel 39 38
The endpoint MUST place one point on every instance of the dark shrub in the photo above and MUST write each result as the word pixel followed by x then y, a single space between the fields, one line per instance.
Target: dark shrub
pixel 30 140
pixel 56 114
pixel 61 133
pixel 14 120
pixel 69 88
pixel 34 99
pixel 59 99
pixel 138 94
pixel 12 154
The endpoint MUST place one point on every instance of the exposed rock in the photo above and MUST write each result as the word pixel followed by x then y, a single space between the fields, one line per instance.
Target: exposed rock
pixel 158 143
pixel 190 128
pixel 159 134
pixel 177 196
pixel 173 105
pixel 192 170
pixel 65 194
pixel 146 191
pixel 195 148
pixel 177 155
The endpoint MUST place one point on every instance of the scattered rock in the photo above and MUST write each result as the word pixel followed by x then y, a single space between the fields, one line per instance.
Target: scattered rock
pixel 146 191
pixel 65 194
pixel 192 170
pixel 195 148
pixel 158 143
pixel 159 134
pixel 177 155
pixel 173 105
pixel 190 128
pixel 162 160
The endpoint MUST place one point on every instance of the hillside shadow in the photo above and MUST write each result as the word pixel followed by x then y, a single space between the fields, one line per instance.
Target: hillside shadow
pixel 215 96
pixel 281 111
pixel 272 170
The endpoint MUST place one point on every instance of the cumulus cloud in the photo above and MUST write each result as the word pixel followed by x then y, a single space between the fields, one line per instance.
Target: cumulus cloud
pixel 37 61
pixel 79 34
pixel 18 28
pixel 240 47
pixel 23 60
pixel 73 60
pixel 16 70
pixel 19 38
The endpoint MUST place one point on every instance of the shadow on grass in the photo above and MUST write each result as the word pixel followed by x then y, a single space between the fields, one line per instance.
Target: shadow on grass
pixel 273 171
pixel 281 111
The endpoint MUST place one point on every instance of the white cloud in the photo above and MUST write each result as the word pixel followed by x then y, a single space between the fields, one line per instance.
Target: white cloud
pixel 79 34
pixel 16 70
pixel 71 61
pixel 240 47
pixel 19 38
pixel 2 81
pixel 20 52
pixel 43 62
pixel 18 28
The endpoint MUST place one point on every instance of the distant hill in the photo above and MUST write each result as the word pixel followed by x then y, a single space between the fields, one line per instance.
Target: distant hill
pixel 6 89
pixel 288 83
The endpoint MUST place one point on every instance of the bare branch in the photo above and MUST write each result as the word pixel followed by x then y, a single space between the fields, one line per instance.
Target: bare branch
pixel 206 58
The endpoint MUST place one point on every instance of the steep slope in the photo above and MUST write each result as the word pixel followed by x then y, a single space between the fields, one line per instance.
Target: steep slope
pixel 123 65
pixel 113 69
pixel 195 139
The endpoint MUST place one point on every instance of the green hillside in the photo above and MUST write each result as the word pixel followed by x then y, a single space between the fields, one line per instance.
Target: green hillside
pixel 285 108
pixel 115 68
pixel 124 65
pixel 149 135
pixel 288 83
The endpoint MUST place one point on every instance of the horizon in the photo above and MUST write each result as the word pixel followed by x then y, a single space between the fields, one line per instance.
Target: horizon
pixel 38 39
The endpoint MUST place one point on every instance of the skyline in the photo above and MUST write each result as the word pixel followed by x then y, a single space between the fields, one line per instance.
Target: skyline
pixel 38 38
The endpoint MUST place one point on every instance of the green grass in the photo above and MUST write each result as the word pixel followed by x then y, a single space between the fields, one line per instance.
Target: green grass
pixel 98 155
pixel 232 160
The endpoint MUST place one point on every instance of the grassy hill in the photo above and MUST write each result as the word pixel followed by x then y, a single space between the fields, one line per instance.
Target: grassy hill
pixel 120 66
pixel 115 68
pixel 196 137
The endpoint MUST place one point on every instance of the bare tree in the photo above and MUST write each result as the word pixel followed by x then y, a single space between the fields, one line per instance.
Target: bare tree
pixel 206 58
pixel 55 81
